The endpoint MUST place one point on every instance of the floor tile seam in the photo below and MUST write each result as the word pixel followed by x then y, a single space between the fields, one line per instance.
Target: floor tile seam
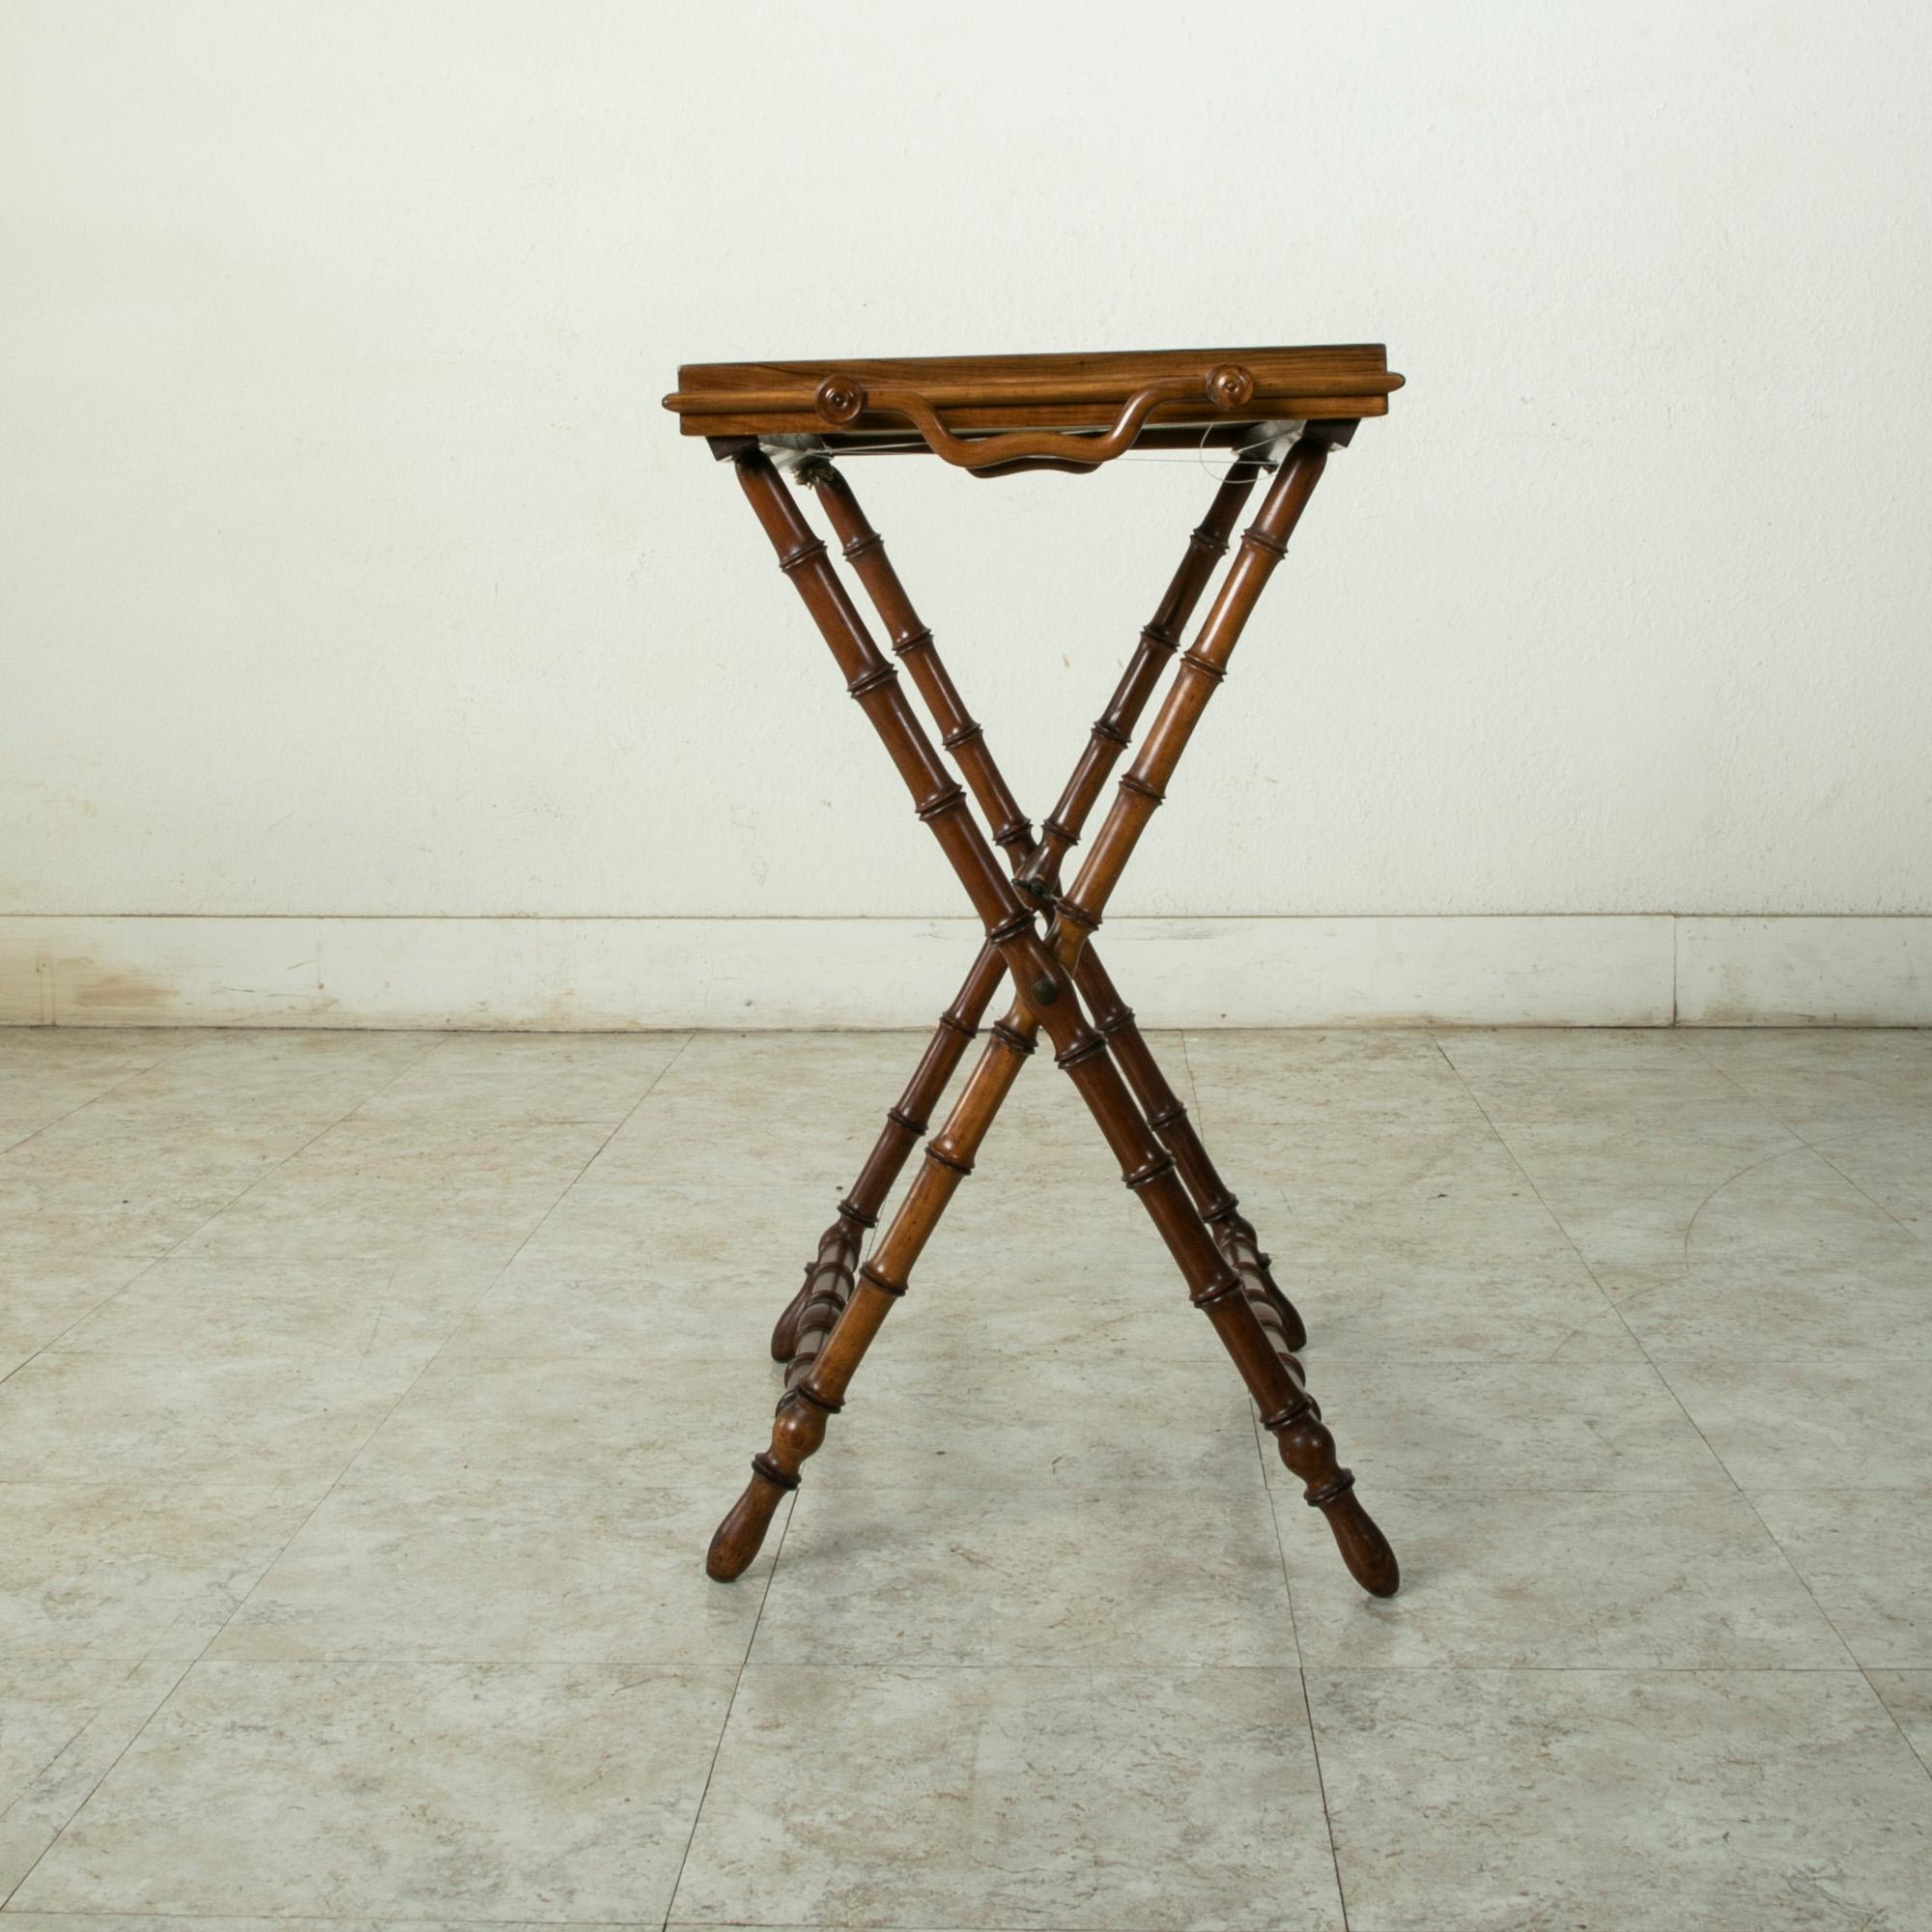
pixel 1555 1220
pixel 130 1669
pixel 1088 1667
pixel 1922 1237
pixel 1421 1359
pixel 563 1194
pixel 956 1489
pixel 270 1172
pixel 1865 1670
pixel 410 1660
pixel 1804 1583
pixel 1804 1140
pixel 1070 1667
pixel 1659 1372
pixel 308 1516
pixel 623 1489
pixel 1584 1669
pixel 148 1263
pixel 442 1347
pixel 381 1924
pixel 134 1737
pixel 528 1492
pixel 80 1106
pixel 1663 1377
pixel 1415 1488
pixel 1307 1709
pixel 235 1610
pixel 1691 1045
pixel 731 1705
pixel 151 1262
pixel 1322 1789
pixel 905 1382
pixel 1623 1318
pixel 1461 1487
pixel 1921 1487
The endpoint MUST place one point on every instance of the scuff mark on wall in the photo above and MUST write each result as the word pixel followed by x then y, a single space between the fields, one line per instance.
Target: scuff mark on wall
pixel 89 987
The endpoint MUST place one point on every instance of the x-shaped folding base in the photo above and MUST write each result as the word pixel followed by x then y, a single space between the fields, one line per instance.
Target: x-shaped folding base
pixel 1056 976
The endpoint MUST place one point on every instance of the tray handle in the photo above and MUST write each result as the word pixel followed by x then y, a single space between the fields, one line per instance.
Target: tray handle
pixel 841 402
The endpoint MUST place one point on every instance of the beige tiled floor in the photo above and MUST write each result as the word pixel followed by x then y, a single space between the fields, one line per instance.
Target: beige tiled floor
pixel 369 1399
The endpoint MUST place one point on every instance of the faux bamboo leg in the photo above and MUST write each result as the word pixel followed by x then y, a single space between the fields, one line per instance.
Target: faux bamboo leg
pixel 1287 1412
pixel 830 1275
pixel 1039 861
pixel 830 1278
pixel 1050 1001
pixel 1010 926
pixel 1304 1444
pixel 1234 1236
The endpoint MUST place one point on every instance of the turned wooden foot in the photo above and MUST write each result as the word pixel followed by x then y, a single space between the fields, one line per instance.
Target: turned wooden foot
pixel 1308 1449
pixel 797 1430
pixel 738 1539
pixel 1364 1548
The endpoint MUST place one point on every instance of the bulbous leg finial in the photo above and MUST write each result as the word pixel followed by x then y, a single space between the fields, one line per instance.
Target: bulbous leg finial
pixel 1308 1449
pixel 797 1430
pixel 739 1538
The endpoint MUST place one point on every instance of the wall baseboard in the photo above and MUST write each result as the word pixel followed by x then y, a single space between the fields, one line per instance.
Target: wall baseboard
pixel 1635 970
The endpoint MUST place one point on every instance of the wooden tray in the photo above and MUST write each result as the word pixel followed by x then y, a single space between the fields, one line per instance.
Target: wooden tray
pixel 1076 412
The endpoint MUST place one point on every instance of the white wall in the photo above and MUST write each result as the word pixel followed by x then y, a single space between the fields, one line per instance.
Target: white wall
pixel 352 571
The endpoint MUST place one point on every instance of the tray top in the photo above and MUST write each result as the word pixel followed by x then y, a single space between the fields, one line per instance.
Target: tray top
pixel 995 412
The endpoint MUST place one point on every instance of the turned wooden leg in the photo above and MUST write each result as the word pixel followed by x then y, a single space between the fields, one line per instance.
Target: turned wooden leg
pixel 1308 1449
pixel 1167 1118
pixel 830 1273
pixel 799 1430
pixel 940 804
pixel 838 1256
pixel 819 1381
pixel 784 1331
pixel 1271 1372
pixel 1236 1238
pixel 1035 860
pixel 1044 972
pixel 1228 1297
